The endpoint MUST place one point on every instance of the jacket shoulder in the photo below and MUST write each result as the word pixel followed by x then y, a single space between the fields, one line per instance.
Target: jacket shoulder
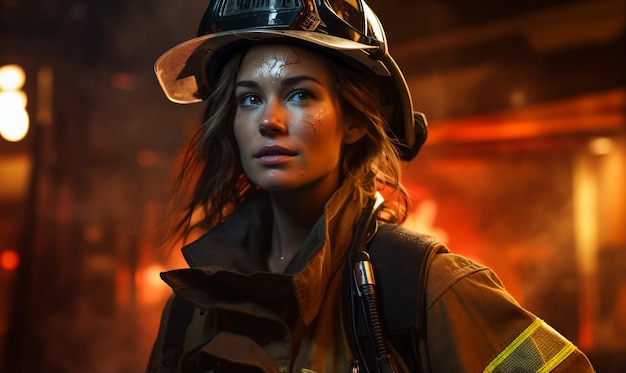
pixel 466 302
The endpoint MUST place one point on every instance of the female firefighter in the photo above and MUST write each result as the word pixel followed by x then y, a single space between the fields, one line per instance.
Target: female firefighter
pixel 301 265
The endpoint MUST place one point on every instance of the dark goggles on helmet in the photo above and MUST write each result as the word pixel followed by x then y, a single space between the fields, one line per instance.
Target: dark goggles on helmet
pixel 346 19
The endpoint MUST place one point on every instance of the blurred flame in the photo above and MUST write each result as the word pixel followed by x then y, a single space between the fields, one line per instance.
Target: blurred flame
pixel 9 260
pixel 150 288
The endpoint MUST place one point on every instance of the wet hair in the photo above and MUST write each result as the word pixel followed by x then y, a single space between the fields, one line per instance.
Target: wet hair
pixel 211 182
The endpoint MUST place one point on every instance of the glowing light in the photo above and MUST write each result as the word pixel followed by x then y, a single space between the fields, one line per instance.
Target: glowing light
pixel 11 99
pixel 9 260
pixel 14 120
pixel 422 220
pixel 15 173
pixel 601 146
pixel 14 124
pixel 12 77
pixel 150 288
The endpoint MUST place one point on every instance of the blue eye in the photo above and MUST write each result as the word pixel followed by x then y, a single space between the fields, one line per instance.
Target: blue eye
pixel 301 96
pixel 249 100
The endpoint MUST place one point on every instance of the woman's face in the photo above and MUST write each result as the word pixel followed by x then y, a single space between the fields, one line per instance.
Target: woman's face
pixel 288 122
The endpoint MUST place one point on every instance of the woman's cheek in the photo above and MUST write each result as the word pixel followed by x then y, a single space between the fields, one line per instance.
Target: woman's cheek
pixel 315 121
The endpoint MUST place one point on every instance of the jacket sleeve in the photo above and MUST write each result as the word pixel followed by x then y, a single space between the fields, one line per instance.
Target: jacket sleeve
pixel 475 325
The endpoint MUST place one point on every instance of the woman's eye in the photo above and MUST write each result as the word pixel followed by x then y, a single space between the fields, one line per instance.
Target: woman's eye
pixel 249 100
pixel 301 96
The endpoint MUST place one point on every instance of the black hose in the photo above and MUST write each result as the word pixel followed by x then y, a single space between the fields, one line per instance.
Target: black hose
pixel 366 289
pixel 366 286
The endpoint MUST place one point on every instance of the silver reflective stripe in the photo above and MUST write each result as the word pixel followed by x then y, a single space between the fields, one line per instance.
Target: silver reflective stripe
pixel 539 348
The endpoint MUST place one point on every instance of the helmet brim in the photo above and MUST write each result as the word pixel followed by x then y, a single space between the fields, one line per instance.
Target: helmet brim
pixel 179 70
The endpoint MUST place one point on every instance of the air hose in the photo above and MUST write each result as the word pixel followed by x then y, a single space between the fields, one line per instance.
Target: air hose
pixel 365 286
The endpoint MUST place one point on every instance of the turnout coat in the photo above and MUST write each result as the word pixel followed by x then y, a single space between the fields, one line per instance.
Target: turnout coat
pixel 247 319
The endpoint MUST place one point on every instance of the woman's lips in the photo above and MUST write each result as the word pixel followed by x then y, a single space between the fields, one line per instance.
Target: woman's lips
pixel 273 155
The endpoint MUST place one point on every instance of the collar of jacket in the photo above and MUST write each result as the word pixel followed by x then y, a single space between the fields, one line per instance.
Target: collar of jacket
pixel 235 248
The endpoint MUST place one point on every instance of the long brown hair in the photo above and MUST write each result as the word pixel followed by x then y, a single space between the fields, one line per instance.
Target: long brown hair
pixel 211 182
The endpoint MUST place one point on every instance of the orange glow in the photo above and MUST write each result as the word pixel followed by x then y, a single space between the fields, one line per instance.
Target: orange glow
pixel 584 114
pixel 150 289
pixel 9 260
pixel 422 220
pixel 15 175
pixel 147 158
pixel 123 294
pixel 123 81
pixel 601 146
pixel 586 233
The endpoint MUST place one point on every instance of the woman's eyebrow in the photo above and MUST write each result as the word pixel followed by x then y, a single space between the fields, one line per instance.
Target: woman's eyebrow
pixel 247 84
pixel 285 82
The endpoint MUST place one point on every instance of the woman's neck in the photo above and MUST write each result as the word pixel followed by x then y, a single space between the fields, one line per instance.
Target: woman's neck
pixel 295 213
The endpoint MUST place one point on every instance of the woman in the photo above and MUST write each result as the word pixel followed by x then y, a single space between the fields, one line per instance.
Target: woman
pixel 307 120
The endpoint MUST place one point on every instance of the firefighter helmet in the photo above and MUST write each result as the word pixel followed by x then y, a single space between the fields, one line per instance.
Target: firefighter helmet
pixel 347 29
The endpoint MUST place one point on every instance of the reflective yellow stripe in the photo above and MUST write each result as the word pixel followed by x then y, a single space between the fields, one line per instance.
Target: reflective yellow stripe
pixel 539 348
pixel 285 369
pixel 513 346
pixel 558 358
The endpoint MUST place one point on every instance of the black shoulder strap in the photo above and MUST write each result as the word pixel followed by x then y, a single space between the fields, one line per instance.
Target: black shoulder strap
pixel 400 259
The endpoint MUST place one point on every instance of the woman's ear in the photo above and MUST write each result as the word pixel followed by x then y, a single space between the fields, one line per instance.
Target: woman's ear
pixel 353 134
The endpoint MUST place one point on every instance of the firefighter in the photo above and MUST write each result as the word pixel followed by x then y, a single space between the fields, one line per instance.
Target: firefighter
pixel 297 263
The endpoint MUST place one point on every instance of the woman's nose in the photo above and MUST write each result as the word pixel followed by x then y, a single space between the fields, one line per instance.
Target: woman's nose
pixel 273 121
